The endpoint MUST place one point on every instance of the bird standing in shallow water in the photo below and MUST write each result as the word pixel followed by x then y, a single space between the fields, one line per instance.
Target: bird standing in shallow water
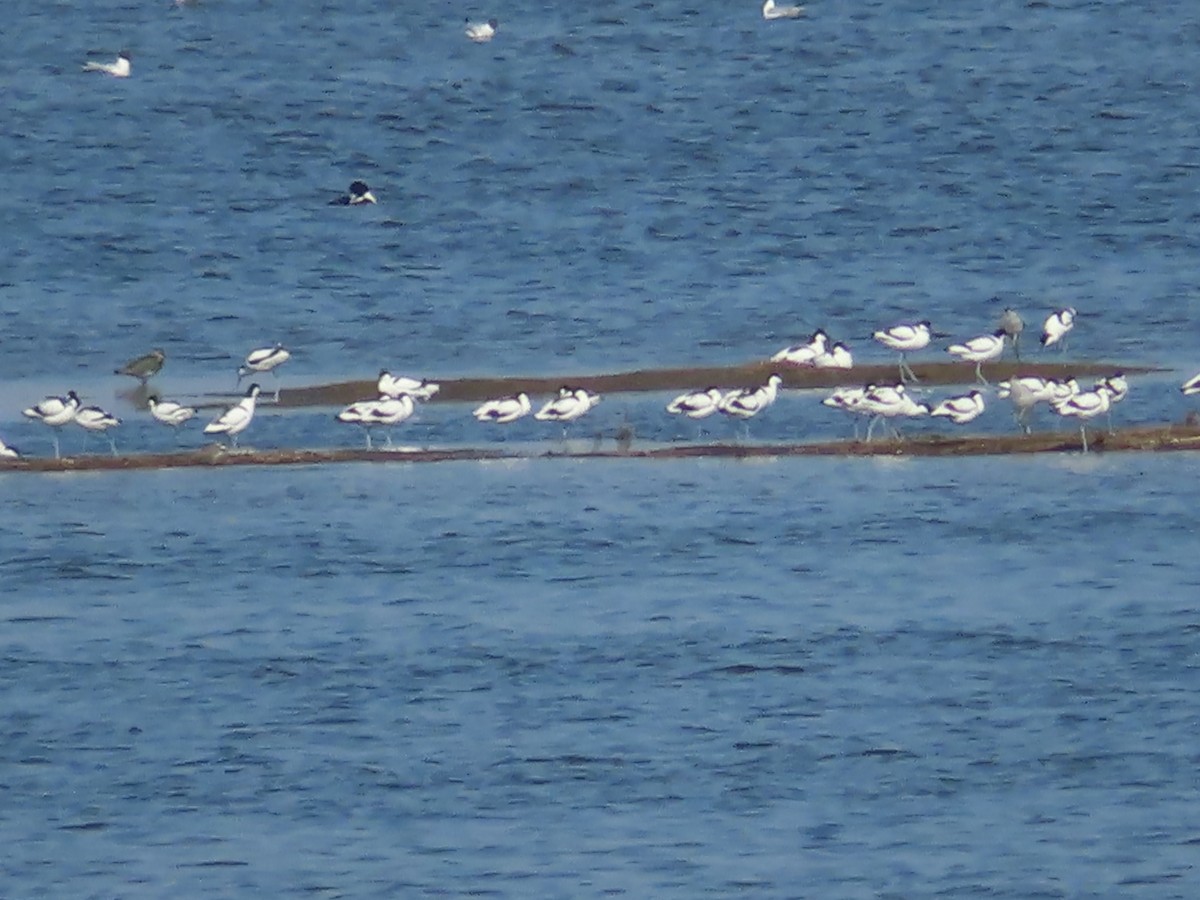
pixel 905 338
pixel 265 359
pixel 145 367
pixel 1012 325
pixel 1056 327
pixel 237 418
pixel 55 412
pixel 93 418
pixel 169 412
pixel 979 350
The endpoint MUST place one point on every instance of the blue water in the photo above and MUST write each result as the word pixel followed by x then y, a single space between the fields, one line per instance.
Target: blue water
pixel 787 678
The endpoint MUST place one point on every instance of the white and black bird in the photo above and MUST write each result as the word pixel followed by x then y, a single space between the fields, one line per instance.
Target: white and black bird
pixel 889 402
pixel 749 402
pixel 961 409
pixel 836 356
pixel 119 68
pixel 482 32
pixel 390 385
pixel 771 11
pixel 93 419
pixel 570 404
pixel 697 404
pixel 848 399
pixel 1084 406
pixel 358 195
pixel 236 418
pixel 905 338
pixel 382 413
pixel 1057 325
pixel 55 412
pixel 169 412
pixel 1118 386
pixel 504 409
pixel 1191 386
pixel 8 452
pixel 985 348
pixel 264 359
pixel 804 354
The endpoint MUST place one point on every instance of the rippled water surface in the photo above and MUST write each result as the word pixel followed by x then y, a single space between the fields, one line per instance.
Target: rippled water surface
pixel 826 678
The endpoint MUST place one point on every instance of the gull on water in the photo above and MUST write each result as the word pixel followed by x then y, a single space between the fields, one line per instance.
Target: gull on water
pixel 382 413
pixel 804 354
pixel 55 412
pixel 697 404
pixel 119 68
pixel 905 338
pixel 94 419
pixel 979 350
pixel 394 385
pixel 236 418
pixel 144 367
pixel 358 194
pixel 771 11
pixel 1057 325
pixel 1086 405
pixel 961 409
pixel 482 32
pixel 504 409
pixel 168 411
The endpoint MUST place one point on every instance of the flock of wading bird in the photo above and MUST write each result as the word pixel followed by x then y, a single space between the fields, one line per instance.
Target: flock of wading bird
pixel 886 404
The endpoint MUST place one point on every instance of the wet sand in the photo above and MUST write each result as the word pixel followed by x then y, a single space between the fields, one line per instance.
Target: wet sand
pixel 1156 438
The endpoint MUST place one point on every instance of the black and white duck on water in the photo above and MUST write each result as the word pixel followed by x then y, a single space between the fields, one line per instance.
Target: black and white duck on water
pixel 236 418
pixel 358 195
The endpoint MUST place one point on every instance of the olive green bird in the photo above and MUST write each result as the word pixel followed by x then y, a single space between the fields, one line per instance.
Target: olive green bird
pixel 144 367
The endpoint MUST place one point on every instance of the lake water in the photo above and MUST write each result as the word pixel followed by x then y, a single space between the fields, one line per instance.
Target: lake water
pixel 779 678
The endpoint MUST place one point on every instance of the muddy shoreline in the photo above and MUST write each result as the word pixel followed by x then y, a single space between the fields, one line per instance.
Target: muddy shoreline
pixel 476 390
pixel 1150 438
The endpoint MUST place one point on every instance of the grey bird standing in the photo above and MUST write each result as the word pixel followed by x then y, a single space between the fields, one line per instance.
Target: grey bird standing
pixel 1012 325
pixel 144 367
